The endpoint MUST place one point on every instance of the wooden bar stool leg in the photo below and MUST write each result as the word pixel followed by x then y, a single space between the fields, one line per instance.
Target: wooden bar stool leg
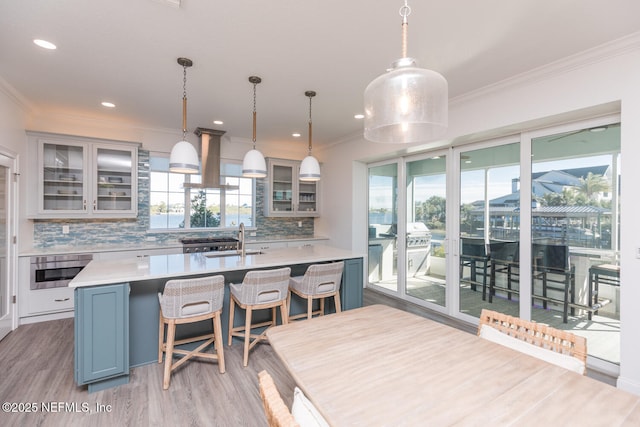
pixel 309 307
pixel 247 336
pixel 322 306
pixel 284 311
pixel 160 337
pixel 217 336
pixel 336 299
pixel 232 310
pixel 168 359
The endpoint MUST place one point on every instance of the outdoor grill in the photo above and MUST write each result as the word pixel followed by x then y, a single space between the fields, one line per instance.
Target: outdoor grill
pixel 418 248
pixel 418 235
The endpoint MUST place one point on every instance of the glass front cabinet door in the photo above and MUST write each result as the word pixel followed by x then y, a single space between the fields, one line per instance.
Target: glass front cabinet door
pixel 77 179
pixel 285 194
pixel 64 177
pixel 114 187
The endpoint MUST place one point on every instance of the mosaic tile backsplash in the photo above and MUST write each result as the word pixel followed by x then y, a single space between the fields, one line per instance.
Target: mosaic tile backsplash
pixel 134 232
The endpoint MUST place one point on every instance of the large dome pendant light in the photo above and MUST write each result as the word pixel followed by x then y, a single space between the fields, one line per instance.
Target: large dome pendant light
pixel 184 157
pixel 253 165
pixel 309 168
pixel 406 104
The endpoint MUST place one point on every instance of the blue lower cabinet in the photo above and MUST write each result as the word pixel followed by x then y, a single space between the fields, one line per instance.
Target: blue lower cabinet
pixel 102 336
pixel 352 284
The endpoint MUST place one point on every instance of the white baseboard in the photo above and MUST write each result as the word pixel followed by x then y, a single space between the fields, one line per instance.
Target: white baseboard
pixel 45 317
pixel 629 385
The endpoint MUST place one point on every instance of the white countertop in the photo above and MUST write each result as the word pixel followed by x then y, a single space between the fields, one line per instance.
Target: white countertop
pixel 105 272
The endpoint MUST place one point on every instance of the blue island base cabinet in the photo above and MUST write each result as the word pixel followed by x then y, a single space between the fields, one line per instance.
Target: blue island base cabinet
pixel 101 330
pixel 116 323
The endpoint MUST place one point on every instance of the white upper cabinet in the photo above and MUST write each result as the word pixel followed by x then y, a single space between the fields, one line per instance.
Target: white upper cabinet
pixel 81 177
pixel 287 196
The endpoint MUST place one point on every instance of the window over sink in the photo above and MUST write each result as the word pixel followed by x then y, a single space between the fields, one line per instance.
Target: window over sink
pixel 172 205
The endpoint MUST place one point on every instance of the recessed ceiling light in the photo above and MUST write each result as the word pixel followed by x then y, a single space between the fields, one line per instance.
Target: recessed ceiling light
pixel 359 116
pixel 467 161
pixel 598 129
pixel 218 122
pixel 45 44
pixel 295 135
pixel 108 104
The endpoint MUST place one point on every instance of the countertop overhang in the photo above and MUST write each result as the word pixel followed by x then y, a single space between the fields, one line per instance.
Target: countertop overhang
pixel 103 272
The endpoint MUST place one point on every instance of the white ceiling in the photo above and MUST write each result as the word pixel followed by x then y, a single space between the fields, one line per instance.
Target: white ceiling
pixel 125 51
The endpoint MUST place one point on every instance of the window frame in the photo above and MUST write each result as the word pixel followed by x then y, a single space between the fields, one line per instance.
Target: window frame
pixel 187 194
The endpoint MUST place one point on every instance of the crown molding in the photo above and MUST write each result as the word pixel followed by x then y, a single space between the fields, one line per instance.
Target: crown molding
pixel 16 97
pixel 619 47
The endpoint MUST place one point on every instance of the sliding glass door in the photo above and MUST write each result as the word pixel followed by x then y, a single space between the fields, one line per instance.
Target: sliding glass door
pixel 575 231
pixel 489 229
pixel 383 227
pixel 533 223
pixel 425 266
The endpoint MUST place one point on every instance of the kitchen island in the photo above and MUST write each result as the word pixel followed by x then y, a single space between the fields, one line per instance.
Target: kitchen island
pixel 117 310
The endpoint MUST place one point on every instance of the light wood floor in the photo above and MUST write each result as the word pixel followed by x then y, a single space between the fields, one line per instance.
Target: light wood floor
pixel 38 368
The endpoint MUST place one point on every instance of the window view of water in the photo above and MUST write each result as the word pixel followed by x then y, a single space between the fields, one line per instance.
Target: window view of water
pixel 173 220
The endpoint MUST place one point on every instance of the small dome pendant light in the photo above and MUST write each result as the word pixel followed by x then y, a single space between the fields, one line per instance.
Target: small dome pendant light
pixel 253 165
pixel 309 168
pixel 184 157
pixel 407 104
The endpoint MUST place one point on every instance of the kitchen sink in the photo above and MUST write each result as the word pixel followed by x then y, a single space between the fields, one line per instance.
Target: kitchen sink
pixel 218 254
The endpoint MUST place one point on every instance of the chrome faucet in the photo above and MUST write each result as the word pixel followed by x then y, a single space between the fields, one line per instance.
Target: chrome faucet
pixel 241 240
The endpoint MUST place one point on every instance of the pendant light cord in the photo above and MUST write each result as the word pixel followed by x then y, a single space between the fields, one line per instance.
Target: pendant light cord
pixel 405 11
pixel 254 115
pixel 310 96
pixel 184 103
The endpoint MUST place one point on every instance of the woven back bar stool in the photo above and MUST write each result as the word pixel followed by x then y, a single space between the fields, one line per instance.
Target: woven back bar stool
pixel 188 301
pixel 260 289
pixel 320 281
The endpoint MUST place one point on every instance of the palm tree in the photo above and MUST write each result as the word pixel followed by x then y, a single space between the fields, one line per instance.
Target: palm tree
pixel 593 185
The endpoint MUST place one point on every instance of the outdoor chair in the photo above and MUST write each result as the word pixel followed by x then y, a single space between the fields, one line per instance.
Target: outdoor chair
pixel 504 257
pixel 474 256
pixel 551 265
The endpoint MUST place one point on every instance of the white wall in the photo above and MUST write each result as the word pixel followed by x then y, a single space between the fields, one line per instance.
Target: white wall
pixel 596 82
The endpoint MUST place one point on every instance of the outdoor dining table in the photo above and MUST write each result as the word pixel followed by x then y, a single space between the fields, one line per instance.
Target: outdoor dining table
pixel 380 366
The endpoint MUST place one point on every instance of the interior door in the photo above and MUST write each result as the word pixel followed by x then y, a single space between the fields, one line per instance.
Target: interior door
pixel 7 256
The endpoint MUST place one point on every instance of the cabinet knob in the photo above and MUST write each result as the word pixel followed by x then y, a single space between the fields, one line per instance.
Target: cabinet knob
pixel 84 205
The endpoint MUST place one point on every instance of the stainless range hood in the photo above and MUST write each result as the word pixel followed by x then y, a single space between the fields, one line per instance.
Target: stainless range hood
pixel 209 158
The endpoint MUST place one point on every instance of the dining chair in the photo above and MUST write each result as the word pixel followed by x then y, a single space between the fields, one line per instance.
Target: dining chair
pixel 277 413
pixel 320 281
pixel 303 413
pixel 259 290
pixel 556 346
pixel 188 301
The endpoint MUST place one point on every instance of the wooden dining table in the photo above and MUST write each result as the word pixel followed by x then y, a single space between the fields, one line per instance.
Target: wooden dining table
pixel 380 366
